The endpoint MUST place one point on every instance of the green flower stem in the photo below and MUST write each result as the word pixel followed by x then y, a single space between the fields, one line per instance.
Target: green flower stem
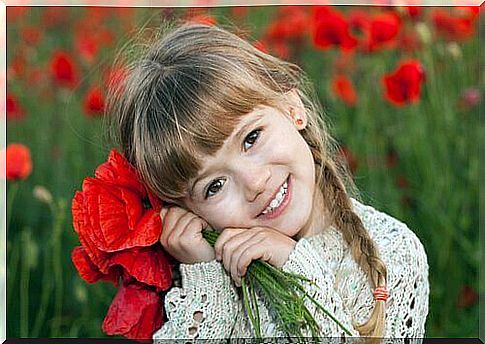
pixel 284 292
pixel 24 288
pixel 57 267
pixel 11 196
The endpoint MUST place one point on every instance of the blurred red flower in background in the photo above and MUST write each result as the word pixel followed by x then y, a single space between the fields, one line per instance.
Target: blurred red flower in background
pixel 290 25
pixel 17 164
pixel 118 224
pixel 55 16
pixel 467 297
pixel 404 85
pixel 358 19
pixel 31 35
pixel 94 102
pixel 469 98
pixel 402 182
pixel 63 69
pixel 331 29
pixel 453 27
pixel 261 46
pixel 343 88
pixel 14 110
pixel 414 12
pixel 382 30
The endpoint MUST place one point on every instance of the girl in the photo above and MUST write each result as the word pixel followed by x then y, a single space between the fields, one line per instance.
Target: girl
pixel 234 140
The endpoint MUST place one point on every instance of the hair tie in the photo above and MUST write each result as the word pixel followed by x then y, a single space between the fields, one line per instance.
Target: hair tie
pixel 381 294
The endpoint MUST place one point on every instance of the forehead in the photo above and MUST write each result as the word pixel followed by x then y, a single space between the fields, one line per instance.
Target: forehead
pixel 245 123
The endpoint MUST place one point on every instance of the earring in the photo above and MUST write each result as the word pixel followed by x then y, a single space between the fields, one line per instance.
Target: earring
pixel 299 121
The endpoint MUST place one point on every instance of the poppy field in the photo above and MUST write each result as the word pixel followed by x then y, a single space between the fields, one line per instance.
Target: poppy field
pixel 400 88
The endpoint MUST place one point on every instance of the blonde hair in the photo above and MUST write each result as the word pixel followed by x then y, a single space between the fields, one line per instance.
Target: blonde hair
pixel 184 95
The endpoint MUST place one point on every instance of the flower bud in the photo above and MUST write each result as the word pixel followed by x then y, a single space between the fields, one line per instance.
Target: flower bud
pixel 423 32
pixel 42 194
pixel 454 50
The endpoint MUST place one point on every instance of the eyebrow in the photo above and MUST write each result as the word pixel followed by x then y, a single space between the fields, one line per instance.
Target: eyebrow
pixel 238 135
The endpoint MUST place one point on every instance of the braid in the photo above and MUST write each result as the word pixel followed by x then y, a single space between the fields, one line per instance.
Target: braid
pixel 363 248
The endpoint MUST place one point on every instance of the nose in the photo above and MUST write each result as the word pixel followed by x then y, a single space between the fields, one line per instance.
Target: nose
pixel 255 180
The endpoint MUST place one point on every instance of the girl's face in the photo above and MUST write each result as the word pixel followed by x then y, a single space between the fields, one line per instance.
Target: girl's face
pixel 263 175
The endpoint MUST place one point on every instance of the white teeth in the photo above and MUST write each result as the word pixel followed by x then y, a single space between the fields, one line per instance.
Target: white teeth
pixel 278 199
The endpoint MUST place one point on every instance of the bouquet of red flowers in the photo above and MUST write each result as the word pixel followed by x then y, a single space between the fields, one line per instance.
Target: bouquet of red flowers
pixel 118 223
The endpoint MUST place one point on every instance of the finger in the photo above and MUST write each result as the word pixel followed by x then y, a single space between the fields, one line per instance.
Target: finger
pixel 192 231
pixel 171 215
pixel 244 254
pixel 176 234
pixel 226 234
pixel 231 245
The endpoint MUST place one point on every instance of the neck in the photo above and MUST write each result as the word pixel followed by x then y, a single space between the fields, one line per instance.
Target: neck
pixel 319 218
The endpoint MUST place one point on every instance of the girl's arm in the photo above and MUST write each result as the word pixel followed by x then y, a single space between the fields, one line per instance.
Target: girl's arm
pixel 206 307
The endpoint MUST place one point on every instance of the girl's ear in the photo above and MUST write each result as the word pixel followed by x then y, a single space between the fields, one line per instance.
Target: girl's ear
pixel 296 109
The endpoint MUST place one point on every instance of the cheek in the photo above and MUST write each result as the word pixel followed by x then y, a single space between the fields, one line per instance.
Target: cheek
pixel 223 215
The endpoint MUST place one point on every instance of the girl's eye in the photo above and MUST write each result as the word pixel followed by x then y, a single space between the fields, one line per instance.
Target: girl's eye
pixel 251 139
pixel 214 187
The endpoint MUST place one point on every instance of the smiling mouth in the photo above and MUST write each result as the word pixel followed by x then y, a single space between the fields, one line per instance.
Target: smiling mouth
pixel 279 201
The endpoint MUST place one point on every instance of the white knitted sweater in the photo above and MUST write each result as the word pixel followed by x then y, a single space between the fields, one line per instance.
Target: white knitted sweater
pixel 209 307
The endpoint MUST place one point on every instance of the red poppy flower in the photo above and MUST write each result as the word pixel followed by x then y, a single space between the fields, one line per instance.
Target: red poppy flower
pixel 136 313
pixel 114 78
pixel 330 29
pixel 114 207
pixel 239 11
pixel 467 297
pixel 31 35
pixel 382 30
pixel 14 110
pixel 451 27
pixel 17 163
pixel 64 70
pixel 118 224
pixel 414 12
pixel 89 271
pixel 18 65
pixel 16 12
pixel 261 46
pixel 205 19
pixel 358 20
pixel 86 45
pixel 409 41
pixel 404 85
pixel 55 16
pixel 344 89
pixel 291 25
pixel 94 102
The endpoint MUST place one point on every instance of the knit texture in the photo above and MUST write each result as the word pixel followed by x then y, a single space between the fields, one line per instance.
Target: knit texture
pixel 208 305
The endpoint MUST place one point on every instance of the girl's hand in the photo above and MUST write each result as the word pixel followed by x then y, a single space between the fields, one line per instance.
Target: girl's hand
pixel 237 247
pixel 182 236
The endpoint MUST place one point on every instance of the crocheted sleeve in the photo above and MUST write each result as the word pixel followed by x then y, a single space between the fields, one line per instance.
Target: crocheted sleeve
pixel 206 307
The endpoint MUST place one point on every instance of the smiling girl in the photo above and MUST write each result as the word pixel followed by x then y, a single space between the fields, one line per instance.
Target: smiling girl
pixel 233 139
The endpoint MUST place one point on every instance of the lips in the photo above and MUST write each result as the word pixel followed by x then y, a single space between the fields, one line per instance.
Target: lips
pixel 279 204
